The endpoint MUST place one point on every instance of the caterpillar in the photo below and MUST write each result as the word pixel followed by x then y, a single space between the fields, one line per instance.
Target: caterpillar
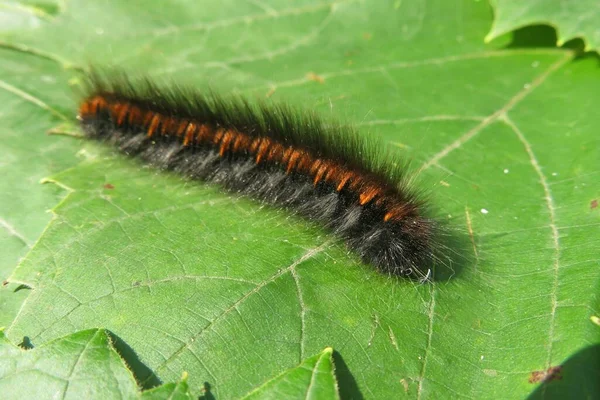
pixel 325 172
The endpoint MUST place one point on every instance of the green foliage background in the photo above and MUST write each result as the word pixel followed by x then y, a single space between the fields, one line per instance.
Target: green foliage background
pixel 189 279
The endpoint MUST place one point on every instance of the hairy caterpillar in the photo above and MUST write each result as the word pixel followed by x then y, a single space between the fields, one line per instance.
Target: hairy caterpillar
pixel 272 153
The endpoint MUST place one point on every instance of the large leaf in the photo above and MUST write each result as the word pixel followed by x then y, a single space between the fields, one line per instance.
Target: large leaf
pixel 572 19
pixel 233 293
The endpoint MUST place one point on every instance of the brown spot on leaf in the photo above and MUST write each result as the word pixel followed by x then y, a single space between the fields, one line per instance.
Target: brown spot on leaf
pixel 4 283
pixel 594 204
pixel 404 385
pixel 314 77
pixel 109 186
pixel 551 374
pixel 270 92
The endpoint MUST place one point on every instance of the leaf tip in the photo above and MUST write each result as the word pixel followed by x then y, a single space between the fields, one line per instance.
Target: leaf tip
pixel 328 350
pixel 489 37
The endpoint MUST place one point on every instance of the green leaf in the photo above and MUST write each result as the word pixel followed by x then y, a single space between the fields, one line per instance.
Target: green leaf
pixel 83 365
pixel 313 379
pixel 80 366
pixel 170 391
pixel 235 293
pixel 571 19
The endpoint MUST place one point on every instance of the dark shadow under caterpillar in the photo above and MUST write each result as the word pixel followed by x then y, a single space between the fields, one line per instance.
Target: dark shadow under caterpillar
pixel 272 153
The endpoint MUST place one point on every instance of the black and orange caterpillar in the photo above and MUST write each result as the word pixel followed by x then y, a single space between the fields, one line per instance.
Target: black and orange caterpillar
pixel 272 153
